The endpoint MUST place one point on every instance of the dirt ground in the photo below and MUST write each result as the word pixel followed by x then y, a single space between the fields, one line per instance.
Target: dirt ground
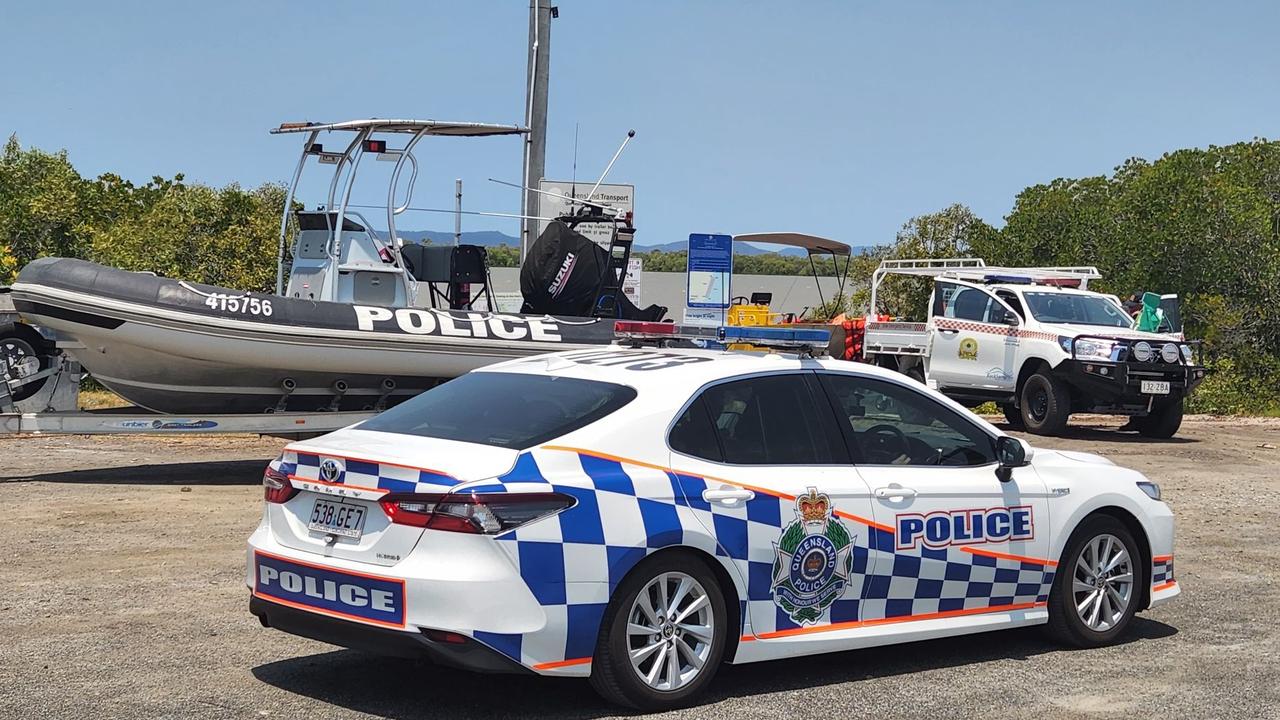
pixel 121 596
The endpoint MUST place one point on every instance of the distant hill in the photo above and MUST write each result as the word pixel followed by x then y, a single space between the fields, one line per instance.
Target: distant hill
pixel 493 238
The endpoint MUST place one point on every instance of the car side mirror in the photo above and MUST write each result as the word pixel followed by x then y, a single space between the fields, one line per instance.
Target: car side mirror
pixel 1011 453
pixel 1011 319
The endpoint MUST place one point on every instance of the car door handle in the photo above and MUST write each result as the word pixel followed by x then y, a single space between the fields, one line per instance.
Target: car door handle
pixel 728 495
pixel 948 331
pixel 894 492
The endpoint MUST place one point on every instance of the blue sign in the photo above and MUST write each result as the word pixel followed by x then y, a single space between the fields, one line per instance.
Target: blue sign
pixel 710 270
pixel 352 596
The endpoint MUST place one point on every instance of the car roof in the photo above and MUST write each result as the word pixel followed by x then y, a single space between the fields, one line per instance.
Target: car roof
pixel 673 369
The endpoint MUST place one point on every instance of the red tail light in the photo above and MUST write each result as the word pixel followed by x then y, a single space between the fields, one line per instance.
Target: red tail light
pixel 276 486
pixel 482 514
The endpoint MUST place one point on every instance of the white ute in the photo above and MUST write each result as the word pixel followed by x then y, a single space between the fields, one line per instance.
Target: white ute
pixel 1037 342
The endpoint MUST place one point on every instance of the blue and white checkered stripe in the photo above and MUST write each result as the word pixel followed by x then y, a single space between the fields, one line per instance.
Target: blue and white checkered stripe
pixel 901 584
pixel 366 473
pixel 573 562
pixel 1162 570
pixel 625 511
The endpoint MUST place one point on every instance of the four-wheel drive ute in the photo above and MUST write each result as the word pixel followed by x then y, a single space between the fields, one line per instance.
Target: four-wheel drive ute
pixel 1037 342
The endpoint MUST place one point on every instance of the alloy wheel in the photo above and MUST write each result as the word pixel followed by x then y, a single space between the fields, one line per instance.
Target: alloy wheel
pixel 670 629
pixel 1102 582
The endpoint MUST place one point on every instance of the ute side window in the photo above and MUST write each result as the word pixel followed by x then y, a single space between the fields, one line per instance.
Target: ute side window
pixel 1011 299
pixel 891 424
pixel 969 304
pixel 772 420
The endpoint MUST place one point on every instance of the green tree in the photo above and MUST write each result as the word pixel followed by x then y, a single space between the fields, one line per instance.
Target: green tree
pixel 954 231
pixel 41 202
pixel 217 236
pixel 8 264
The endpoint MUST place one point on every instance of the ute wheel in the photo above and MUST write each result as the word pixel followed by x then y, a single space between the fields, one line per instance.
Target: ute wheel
pixel 17 350
pixel 663 635
pixel 1163 421
pixel 1046 404
pixel 1096 590
pixel 1012 415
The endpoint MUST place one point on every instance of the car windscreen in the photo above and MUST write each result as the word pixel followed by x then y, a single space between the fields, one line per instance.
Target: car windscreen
pixel 1078 309
pixel 507 410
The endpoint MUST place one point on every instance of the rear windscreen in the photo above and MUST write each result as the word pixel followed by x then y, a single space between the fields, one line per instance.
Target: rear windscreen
pixel 506 410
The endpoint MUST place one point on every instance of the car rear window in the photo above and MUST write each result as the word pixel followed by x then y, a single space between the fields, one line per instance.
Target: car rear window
pixel 507 410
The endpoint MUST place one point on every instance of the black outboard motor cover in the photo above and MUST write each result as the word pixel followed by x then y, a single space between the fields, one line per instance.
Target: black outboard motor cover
pixel 562 273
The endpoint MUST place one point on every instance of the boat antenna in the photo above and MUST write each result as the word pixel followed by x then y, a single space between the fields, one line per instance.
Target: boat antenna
pixel 606 209
pixel 575 160
pixel 603 175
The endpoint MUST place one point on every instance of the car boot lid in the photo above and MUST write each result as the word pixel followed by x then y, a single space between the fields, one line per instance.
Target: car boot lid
pixel 457 462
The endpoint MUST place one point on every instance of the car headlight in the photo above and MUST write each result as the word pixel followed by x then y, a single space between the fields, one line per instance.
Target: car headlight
pixel 1169 353
pixel 1142 351
pixel 1186 352
pixel 1151 489
pixel 1094 349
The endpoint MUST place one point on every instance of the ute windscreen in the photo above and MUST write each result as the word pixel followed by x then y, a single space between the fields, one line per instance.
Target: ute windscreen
pixel 506 410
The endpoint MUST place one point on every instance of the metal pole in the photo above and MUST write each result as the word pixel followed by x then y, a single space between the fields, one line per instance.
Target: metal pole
pixel 457 214
pixel 535 112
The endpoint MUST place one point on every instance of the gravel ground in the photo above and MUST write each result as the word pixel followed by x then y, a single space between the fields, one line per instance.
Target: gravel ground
pixel 122 597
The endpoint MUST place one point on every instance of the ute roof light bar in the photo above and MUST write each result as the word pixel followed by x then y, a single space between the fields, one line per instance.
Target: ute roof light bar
pixel 803 341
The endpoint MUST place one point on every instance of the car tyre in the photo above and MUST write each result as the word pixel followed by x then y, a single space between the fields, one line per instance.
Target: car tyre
pixel 644 684
pixel 1045 403
pixel 1012 415
pixel 1098 585
pixel 1163 421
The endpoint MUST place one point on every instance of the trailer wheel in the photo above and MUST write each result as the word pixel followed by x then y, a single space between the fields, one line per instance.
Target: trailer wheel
pixel 1046 404
pixel 1163 421
pixel 19 349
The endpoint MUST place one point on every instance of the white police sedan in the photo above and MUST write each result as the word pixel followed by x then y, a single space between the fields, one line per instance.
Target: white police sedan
pixel 640 515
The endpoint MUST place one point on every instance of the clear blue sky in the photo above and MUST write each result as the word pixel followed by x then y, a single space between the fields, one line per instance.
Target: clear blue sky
pixel 838 118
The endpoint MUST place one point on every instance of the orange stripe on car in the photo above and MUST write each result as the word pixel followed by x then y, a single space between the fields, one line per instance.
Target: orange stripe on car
pixel 1165 586
pixel 562 663
pixel 889 621
pixel 1010 556
pixel 744 486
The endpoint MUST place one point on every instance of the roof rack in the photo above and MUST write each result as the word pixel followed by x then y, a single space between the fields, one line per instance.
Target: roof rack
pixel 977 270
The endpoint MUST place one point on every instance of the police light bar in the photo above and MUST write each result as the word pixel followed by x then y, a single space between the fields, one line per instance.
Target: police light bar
pixel 774 336
pixel 1009 279
pixel 804 340
pixel 638 329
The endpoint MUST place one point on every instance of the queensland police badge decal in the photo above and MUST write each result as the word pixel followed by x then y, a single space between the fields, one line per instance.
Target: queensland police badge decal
pixel 812 560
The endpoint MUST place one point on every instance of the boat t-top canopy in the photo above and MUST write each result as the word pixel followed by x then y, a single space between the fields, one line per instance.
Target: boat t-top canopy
pixel 812 243
pixel 411 127
pixel 815 246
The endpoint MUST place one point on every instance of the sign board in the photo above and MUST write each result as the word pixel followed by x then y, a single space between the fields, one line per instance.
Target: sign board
pixel 558 203
pixel 631 285
pixel 704 317
pixel 709 271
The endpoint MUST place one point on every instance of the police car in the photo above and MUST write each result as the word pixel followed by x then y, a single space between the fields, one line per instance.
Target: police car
pixel 639 515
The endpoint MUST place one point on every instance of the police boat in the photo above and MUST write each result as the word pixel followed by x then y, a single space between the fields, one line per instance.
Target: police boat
pixel 360 321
